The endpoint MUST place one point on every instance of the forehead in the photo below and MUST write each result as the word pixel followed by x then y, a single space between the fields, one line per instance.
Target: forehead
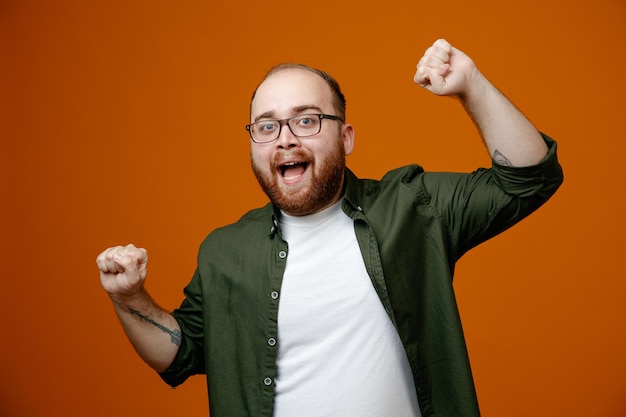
pixel 287 91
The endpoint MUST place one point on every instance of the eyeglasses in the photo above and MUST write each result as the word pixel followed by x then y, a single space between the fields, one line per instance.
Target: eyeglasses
pixel 302 126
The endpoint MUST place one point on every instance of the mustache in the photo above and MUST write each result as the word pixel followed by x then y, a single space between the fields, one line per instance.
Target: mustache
pixel 298 154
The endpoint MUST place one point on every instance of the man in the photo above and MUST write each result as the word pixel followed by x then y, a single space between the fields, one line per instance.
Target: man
pixel 336 298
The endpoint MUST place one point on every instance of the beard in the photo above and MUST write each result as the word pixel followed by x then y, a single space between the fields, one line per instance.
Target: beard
pixel 323 189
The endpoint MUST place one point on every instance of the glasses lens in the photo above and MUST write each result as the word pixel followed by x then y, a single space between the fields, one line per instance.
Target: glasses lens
pixel 305 125
pixel 265 131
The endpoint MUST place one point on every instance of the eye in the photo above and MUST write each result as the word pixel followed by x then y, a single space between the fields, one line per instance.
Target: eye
pixel 267 126
pixel 306 121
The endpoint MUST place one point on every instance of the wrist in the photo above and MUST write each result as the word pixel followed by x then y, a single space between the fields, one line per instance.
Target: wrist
pixel 476 88
pixel 135 300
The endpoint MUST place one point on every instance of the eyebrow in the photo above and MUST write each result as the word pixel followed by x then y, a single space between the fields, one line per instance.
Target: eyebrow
pixel 294 111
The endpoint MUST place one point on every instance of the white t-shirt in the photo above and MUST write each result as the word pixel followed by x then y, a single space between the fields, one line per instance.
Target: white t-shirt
pixel 339 354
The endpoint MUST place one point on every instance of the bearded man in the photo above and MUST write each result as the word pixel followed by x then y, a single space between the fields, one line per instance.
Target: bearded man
pixel 336 298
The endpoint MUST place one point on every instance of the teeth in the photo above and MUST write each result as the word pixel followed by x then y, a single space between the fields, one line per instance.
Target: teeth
pixel 284 167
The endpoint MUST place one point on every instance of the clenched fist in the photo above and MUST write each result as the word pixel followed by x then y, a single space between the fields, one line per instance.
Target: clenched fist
pixel 445 70
pixel 123 270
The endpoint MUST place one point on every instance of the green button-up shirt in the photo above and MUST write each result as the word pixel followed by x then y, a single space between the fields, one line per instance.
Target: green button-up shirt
pixel 412 226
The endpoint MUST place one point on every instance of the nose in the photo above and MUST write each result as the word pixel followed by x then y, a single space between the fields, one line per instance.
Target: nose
pixel 286 138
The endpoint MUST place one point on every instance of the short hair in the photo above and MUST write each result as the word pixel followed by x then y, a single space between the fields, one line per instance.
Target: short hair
pixel 339 100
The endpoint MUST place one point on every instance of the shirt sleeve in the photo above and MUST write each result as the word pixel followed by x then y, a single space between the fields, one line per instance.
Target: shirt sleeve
pixel 190 357
pixel 479 205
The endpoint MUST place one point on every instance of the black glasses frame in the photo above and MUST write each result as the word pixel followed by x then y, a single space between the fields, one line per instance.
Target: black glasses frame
pixel 283 122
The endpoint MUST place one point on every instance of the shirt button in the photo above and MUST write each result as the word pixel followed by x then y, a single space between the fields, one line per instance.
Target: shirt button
pixel 271 341
pixel 274 295
pixel 267 381
pixel 282 254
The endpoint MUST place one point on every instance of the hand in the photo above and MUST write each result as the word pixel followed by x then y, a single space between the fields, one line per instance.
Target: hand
pixel 444 70
pixel 123 270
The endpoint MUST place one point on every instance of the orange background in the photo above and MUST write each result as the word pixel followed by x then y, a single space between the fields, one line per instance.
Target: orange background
pixel 122 121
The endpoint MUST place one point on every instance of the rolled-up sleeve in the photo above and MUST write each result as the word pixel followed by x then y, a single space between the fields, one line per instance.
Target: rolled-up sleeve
pixel 190 357
pixel 541 180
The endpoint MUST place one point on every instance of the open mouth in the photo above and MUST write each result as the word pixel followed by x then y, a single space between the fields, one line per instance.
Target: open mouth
pixel 292 170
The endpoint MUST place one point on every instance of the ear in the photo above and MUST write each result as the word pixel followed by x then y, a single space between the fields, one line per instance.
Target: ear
pixel 347 135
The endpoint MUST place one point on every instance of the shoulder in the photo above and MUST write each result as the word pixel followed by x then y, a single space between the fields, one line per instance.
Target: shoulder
pixel 404 174
pixel 255 223
pixel 400 185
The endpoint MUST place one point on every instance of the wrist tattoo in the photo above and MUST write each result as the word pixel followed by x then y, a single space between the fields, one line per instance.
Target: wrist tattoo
pixel 175 335
pixel 500 159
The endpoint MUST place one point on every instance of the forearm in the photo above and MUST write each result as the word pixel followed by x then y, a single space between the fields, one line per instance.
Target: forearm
pixel 153 332
pixel 509 136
